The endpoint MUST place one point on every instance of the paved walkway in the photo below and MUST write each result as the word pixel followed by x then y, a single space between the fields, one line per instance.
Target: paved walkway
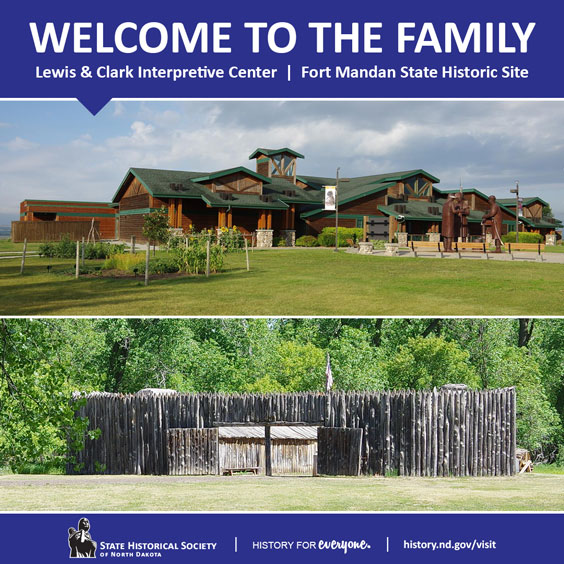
pixel 517 256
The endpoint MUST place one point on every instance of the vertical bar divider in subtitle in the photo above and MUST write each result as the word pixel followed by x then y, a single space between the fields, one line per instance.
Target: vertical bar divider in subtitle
pixel 289 73
pixel 235 544
pixel 387 544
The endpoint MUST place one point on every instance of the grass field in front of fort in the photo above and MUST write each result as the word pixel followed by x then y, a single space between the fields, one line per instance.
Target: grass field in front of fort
pixel 288 282
pixel 530 492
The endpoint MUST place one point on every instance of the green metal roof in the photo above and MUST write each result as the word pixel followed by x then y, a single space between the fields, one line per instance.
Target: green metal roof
pixel 67 202
pixel 271 152
pixel 186 184
pixel 242 201
pixel 279 185
pixel 361 186
pixel 464 191
pixel 543 223
pixel 220 173
pixel 158 183
pixel 526 201
pixel 419 210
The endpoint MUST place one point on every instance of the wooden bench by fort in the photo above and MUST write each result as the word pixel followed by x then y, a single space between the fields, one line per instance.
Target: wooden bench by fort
pixel 231 471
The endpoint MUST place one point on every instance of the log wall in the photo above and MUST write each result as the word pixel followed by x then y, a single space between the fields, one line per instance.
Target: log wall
pixel 410 433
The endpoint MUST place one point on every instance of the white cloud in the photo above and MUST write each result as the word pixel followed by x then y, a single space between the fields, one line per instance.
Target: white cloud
pixel 119 109
pixel 488 144
pixel 19 144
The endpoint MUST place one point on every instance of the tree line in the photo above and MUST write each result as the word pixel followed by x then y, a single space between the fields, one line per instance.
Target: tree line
pixel 43 361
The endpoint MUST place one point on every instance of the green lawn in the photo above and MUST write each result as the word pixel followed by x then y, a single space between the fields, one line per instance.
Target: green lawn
pixel 290 282
pixel 531 492
pixel 6 245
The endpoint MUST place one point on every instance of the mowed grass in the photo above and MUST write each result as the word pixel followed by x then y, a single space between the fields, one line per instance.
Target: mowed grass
pixel 531 492
pixel 290 282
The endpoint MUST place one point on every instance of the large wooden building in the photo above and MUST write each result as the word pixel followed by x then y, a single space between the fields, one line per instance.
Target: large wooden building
pixel 274 200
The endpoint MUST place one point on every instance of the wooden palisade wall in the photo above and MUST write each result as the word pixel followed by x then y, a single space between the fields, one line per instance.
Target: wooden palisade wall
pixel 410 433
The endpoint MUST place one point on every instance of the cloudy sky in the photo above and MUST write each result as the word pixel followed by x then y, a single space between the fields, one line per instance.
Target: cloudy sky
pixel 51 150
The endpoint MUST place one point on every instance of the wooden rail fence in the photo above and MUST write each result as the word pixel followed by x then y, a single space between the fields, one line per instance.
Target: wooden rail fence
pixel 411 433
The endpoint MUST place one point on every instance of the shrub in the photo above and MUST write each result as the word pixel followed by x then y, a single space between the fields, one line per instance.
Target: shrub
pixel 102 250
pixel 192 258
pixel 47 250
pixel 65 248
pixel 307 241
pixel 124 261
pixel 327 237
pixel 161 266
pixel 523 237
pixel 279 241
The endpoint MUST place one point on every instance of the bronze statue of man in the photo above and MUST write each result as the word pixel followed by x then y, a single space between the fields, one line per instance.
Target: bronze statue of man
pixel 448 226
pixel 491 223
pixel 461 220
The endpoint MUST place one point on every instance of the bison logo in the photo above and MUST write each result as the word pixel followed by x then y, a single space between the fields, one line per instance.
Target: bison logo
pixel 80 542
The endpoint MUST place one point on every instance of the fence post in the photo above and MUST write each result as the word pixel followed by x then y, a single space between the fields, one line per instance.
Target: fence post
pixel 267 451
pixel 23 256
pixel 147 263
pixel 133 244
pixel 208 244
pixel 83 252
pixel 77 262
pixel 247 253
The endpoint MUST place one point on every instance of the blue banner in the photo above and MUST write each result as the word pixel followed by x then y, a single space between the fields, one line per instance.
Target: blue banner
pixel 95 52
pixel 273 538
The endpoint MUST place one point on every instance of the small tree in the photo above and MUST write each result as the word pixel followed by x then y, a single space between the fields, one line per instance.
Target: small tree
pixel 156 227
pixel 547 211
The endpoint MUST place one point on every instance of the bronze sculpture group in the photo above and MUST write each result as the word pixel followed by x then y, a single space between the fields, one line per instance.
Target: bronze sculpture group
pixel 455 221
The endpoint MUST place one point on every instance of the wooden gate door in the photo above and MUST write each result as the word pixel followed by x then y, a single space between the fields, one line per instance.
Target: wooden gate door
pixel 377 228
pixel 339 451
pixel 193 451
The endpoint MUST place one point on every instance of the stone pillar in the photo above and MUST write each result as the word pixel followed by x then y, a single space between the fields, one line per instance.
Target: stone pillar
pixel 391 249
pixel 290 237
pixel 550 239
pixel 365 247
pixel 489 239
pixel 264 238
pixel 434 237
pixel 402 239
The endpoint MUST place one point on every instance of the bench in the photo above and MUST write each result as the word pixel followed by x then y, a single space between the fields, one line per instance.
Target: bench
pixel 426 245
pixel 467 246
pixel 538 247
pixel 230 471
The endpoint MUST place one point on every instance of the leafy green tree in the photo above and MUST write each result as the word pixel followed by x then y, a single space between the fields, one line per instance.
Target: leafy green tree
pixel 427 362
pixel 156 227
pixel 37 421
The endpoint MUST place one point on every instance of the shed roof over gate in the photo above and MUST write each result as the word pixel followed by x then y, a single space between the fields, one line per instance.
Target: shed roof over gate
pixel 303 432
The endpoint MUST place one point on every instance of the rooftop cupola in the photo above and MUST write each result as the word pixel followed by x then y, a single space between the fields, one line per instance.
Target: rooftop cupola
pixel 277 163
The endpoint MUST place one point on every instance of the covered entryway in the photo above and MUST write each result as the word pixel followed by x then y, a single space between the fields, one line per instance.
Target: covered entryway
pixel 243 448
